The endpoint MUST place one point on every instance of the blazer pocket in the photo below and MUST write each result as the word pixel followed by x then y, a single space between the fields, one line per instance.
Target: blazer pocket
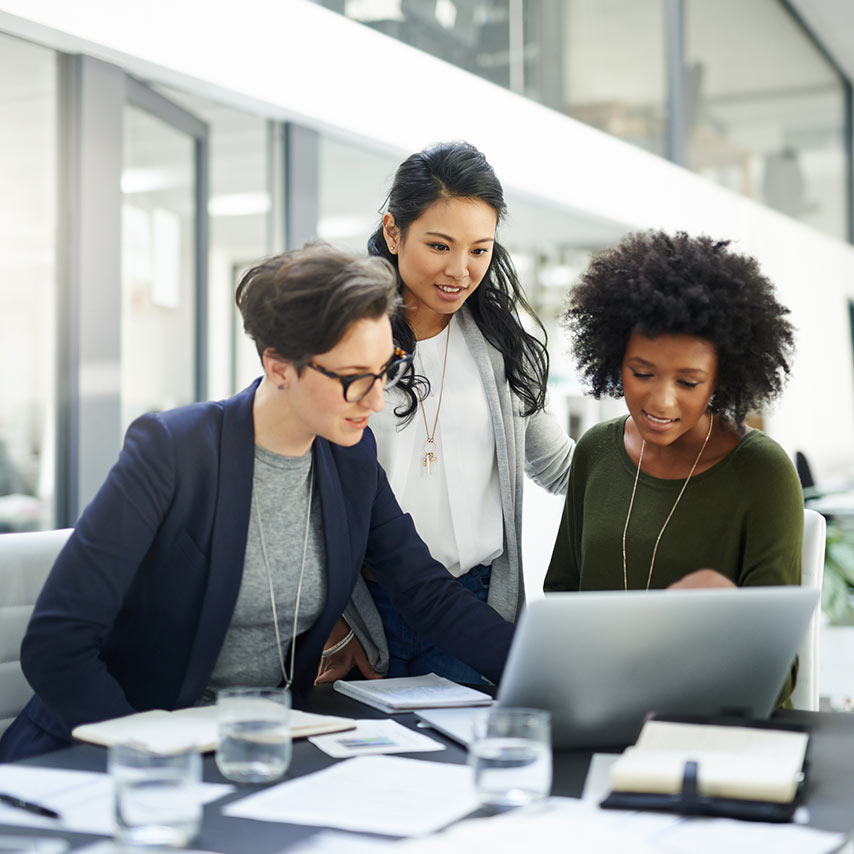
pixel 188 554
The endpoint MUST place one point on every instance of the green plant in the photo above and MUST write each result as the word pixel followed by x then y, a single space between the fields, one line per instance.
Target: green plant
pixel 837 590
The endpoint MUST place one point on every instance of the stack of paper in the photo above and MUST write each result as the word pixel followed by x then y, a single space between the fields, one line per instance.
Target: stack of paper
pixel 403 694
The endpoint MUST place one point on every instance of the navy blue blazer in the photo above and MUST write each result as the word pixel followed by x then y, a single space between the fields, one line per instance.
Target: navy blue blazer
pixel 136 607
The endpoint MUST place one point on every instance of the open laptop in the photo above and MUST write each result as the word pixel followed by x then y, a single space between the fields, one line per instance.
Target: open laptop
pixel 600 661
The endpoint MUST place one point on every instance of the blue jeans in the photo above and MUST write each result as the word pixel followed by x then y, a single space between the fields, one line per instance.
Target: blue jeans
pixel 409 653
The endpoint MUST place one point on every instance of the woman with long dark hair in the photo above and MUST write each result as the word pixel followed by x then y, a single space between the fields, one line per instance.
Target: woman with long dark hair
pixel 467 423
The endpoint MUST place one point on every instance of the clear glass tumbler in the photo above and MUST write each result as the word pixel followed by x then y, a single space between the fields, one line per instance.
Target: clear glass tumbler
pixel 157 797
pixel 254 734
pixel 511 756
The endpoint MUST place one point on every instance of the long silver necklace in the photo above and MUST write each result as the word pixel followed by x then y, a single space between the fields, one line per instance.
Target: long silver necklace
pixel 672 509
pixel 430 444
pixel 288 679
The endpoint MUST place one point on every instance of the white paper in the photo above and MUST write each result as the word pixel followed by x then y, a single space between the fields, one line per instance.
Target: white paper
pixel 390 795
pixel 338 842
pixel 372 737
pixel 597 784
pixel 563 824
pixel 107 846
pixel 84 799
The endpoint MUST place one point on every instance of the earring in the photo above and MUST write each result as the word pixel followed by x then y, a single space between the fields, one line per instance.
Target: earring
pixel 282 387
pixel 393 249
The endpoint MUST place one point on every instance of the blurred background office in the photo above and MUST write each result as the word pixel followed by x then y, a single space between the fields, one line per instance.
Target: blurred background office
pixel 149 152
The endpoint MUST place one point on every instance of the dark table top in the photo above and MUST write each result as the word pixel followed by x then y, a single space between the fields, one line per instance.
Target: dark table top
pixel 829 796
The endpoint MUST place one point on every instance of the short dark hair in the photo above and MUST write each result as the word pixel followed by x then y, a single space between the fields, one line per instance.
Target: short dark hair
pixel 302 302
pixel 458 170
pixel 657 284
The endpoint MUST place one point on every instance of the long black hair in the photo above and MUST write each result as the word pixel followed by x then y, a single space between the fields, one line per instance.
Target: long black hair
pixel 458 170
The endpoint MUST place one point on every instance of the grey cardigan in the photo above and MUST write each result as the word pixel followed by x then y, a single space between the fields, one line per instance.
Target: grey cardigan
pixel 535 446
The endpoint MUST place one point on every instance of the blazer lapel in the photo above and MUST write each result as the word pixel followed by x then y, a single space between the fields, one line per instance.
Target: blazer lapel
pixel 228 542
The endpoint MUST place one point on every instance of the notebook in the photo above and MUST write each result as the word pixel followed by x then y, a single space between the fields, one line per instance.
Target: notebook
pixel 405 693
pixel 163 731
pixel 600 661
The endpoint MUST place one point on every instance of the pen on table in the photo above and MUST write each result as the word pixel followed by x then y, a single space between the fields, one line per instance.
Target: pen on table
pixel 29 806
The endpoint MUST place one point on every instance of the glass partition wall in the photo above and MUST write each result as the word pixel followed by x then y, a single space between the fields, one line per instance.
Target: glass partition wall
pixel 737 91
pixel 766 110
pixel 28 293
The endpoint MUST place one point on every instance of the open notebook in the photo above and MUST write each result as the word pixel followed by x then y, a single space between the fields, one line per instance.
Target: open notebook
pixel 163 731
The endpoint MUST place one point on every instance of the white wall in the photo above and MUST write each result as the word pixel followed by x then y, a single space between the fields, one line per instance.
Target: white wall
pixel 297 60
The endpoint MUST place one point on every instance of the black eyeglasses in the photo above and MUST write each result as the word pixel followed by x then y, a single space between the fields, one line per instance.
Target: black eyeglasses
pixel 356 386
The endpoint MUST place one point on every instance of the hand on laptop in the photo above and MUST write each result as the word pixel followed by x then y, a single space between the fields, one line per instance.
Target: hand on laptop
pixel 701 578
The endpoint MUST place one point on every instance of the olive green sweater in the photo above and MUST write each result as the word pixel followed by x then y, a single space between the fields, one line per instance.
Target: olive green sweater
pixel 743 517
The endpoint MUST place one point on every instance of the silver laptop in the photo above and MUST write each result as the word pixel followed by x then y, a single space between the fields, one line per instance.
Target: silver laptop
pixel 599 661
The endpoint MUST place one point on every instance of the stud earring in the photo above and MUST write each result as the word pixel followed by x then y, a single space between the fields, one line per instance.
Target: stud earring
pixel 282 387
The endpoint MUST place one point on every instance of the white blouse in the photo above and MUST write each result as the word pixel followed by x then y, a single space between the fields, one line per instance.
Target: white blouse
pixel 457 508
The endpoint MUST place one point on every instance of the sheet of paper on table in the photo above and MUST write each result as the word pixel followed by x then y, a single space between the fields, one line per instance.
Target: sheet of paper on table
pixel 372 737
pixel 84 799
pixel 341 842
pixel 107 846
pixel 548 829
pixel 389 795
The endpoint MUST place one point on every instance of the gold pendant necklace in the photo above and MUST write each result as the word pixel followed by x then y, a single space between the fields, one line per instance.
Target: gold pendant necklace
pixel 672 509
pixel 430 444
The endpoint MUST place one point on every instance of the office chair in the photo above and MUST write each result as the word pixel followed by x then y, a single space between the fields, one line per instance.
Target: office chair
pixel 805 695
pixel 25 560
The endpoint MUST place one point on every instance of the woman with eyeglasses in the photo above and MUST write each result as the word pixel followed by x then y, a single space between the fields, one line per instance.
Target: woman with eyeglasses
pixel 463 428
pixel 226 540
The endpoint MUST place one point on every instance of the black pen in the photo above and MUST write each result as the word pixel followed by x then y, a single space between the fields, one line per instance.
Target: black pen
pixel 29 806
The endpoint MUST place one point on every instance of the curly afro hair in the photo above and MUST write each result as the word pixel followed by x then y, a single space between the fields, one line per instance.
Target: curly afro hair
pixel 657 284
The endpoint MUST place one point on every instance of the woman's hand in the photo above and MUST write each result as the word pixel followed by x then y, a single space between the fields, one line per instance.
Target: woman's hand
pixel 701 578
pixel 340 663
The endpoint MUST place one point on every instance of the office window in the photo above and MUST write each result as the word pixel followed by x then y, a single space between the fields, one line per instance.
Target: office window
pixel 766 110
pixel 158 266
pixel 354 182
pixel 615 70
pixel 28 324
pixel 471 34
pixel 245 210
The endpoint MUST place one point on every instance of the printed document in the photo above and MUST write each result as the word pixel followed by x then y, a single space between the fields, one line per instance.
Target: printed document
pixel 84 799
pixel 391 795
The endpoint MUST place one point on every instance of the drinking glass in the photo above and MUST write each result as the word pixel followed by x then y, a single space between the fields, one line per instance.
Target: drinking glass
pixel 157 798
pixel 254 734
pixel 511 757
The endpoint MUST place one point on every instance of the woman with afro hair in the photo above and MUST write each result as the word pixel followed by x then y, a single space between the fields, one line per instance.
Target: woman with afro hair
pixel 680 492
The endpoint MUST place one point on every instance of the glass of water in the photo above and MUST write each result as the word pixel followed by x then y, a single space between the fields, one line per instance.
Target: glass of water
pixel 254 734
pixel 157 797
pixel 511 757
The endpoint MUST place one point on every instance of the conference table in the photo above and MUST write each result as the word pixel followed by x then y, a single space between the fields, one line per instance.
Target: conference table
pixel 829 793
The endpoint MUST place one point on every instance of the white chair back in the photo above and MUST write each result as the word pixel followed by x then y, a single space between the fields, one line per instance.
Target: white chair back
pixel 25 561
pixel 805 695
